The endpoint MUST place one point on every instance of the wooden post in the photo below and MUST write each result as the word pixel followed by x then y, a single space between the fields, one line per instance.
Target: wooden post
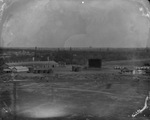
pixel 14 95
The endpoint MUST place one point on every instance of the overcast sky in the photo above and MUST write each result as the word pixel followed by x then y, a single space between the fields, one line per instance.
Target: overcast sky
pixel 76 23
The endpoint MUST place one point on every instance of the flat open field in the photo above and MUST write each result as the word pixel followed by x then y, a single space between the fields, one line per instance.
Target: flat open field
pixel 88 95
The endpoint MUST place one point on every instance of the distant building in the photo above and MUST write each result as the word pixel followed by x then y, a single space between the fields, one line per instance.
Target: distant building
pixel 32 67
pixel 4 68
pixel 95 63
pixel 40 70
pixel 76 68
pixel 7 70
pixel 138 72
pixel 19 69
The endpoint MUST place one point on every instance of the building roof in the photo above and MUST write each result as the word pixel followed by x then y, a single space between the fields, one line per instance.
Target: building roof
pixel 7 69
pixel 32 63
pixel 4 66
pixel 18 67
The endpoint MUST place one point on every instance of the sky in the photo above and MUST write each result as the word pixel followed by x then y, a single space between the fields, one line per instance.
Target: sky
pixel 75 23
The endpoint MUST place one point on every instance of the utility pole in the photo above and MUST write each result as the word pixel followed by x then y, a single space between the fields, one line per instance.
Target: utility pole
pixel 14 94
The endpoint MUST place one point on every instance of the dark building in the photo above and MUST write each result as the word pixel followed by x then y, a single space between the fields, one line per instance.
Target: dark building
pixel 94 63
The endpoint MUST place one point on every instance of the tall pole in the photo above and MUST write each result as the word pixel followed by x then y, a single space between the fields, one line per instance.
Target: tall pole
pixel 14 95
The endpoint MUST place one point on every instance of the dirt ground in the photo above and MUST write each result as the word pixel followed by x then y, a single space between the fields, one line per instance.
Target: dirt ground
pixel 89 95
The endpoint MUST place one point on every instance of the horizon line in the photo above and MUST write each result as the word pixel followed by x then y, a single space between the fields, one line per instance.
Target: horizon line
pixel 74 47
